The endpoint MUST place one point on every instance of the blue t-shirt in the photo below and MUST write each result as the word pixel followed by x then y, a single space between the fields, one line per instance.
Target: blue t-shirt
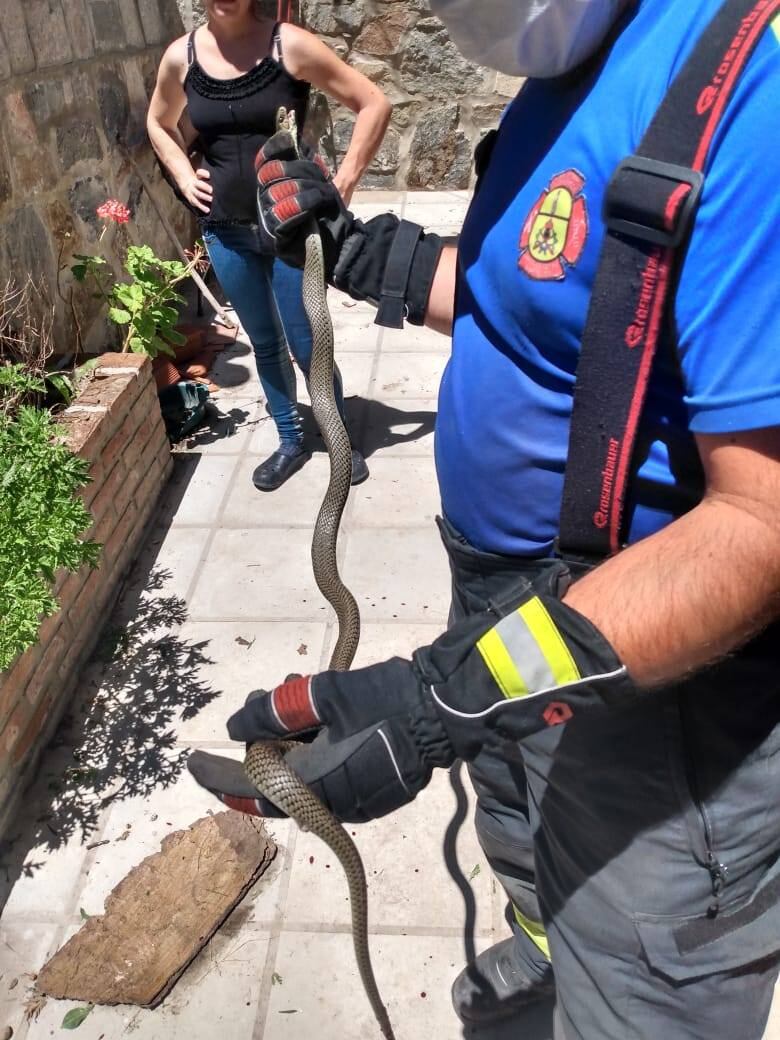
pixel 506 396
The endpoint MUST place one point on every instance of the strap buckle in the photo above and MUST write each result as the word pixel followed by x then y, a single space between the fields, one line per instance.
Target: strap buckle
pixel 645 200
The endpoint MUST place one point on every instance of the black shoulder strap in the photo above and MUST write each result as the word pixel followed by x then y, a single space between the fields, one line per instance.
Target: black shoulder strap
pixel 649 209
pixel 191 48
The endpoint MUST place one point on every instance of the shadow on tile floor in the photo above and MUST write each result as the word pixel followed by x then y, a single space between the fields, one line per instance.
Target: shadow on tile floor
pixel 228 375
pixel 220 424
pixel 374 424
pixel 118 738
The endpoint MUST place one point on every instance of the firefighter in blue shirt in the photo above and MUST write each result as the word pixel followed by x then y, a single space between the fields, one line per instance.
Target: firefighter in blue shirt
pixel 620 720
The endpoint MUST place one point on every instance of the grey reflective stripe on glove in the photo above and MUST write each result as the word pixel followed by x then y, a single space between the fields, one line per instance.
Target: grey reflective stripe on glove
pixel 389 262
pixel 380 731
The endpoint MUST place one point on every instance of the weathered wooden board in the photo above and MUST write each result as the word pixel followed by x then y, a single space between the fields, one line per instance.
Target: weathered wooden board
pixel 158 918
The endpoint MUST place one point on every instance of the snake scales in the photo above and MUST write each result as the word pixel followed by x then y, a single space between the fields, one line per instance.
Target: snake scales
pixel 265 765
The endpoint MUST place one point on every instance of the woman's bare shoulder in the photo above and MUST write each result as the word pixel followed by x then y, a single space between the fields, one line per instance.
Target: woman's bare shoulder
pixel 174 60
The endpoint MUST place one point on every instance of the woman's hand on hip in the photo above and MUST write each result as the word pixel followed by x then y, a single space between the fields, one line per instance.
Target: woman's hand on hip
pixel 197 190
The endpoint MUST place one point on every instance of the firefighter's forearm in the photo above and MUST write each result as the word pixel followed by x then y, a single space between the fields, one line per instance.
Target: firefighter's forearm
pixel 701 587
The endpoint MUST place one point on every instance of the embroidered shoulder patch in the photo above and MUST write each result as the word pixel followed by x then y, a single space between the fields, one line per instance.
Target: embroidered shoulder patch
pixel 556 229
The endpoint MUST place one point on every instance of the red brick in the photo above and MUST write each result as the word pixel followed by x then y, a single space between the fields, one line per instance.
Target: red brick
pixel 103 502
pixel 18 675
pixel 10 696
pixel 84 432
pixel 47 668
pixel 124 532
pixel 135 361
pixel 31 733
pixel 69 588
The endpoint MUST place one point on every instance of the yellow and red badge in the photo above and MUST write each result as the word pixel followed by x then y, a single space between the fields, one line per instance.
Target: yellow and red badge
pixel 554 234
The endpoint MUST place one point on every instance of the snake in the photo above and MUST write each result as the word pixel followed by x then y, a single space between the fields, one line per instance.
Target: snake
pixel 265 765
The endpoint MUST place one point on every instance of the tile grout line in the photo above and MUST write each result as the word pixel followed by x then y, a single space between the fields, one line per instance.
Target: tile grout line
pixel 277 927
pixel 217 523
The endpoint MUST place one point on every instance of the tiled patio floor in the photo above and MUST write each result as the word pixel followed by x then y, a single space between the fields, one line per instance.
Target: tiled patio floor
pixel 220 602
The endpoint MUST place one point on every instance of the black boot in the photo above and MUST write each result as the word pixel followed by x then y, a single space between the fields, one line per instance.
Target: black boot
pixel 496 985
pixel 286 460
pixel 359 468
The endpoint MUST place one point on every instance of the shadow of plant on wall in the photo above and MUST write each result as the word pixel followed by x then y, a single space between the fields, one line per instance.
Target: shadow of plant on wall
pixel 119 740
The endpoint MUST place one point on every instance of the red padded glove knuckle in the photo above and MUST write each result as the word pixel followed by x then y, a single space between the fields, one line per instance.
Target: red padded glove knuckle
pixel 267 172
pixel 293 705
pixel 283 190
pixel 286 209
pixel 248 806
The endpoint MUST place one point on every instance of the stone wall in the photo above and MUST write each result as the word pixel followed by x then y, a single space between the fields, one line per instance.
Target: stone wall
pixel 116 425
pixel 442 104
pixel 75 77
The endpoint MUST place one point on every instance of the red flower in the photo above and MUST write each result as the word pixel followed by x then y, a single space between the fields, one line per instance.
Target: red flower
pixel 113 209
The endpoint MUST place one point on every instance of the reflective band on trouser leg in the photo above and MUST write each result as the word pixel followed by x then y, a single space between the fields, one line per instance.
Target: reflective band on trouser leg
pixel 526 653
pixel 534 931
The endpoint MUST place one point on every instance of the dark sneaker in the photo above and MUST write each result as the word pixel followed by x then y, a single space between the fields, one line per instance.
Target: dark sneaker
pixel 286 460
pixel 496 986
pixel 359 468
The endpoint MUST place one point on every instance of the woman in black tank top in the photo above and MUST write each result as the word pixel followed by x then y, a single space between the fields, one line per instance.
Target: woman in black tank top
pixel 225 82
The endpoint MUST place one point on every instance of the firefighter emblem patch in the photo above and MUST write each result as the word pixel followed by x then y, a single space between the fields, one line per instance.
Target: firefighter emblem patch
pixel 555 232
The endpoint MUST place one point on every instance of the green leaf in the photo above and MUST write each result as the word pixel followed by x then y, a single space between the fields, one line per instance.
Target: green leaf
pixel 79 272
pixel 84 915
pixel 477 870
pixel 175 337
pixel 120 316
pixel 62 384
pixel 276 979
pixel 76 1016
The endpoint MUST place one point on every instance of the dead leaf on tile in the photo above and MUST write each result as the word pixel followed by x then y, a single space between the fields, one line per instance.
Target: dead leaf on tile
pixel 474 872
pixel 303 649
pixel 34 1006
pixel 290 1011
pixel 245 642
pixel 276 979
pixel 13 983
pixel 124 835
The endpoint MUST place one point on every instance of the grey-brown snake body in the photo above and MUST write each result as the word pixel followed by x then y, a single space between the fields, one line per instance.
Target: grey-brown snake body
pixel 265 765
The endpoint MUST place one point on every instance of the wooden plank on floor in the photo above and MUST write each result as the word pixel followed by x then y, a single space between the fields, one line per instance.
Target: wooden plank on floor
pixel 161 915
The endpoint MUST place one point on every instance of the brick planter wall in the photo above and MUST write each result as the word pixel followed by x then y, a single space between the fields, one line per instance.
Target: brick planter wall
pixel 116 425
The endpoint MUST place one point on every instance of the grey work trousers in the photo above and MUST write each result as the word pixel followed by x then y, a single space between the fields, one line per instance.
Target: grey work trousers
pixel 647 841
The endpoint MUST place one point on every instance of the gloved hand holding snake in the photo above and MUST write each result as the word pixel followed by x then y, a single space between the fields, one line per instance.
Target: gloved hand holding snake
pixel 375 735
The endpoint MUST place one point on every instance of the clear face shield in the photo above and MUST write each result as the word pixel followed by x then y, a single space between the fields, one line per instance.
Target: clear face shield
pixel 537 38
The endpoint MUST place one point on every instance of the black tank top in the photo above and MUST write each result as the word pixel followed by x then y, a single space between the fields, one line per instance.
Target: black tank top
pixel 234 118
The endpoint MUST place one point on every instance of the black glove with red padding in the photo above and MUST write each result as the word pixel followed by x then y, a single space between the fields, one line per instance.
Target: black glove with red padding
pixel 377 734
pixel 387 261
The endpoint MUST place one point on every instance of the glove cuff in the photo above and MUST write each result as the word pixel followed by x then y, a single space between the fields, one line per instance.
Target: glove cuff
pixel 391 263
pixel 539 666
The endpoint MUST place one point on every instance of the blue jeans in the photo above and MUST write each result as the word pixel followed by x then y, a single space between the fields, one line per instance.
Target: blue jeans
pixel 267 298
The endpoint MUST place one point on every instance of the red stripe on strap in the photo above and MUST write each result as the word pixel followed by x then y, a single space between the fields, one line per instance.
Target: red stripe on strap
pixel 665 259
pixel 720 89
pixel 676 199
pixel 293 705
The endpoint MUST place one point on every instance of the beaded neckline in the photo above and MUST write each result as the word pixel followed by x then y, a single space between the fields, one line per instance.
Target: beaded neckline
pixel 241 86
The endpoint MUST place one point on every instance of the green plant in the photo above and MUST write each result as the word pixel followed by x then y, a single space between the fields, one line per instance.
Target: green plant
pixel 145 304
pixel 42 519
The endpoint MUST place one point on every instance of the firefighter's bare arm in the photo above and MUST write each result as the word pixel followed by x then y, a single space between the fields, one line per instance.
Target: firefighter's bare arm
pixel 701 587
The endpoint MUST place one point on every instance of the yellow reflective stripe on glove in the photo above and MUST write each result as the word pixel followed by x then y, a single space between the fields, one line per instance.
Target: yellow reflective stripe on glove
pixel 525 652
